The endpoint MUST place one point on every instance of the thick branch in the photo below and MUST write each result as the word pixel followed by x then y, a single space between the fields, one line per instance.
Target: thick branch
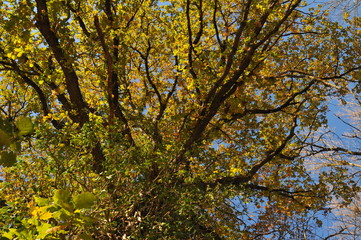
pixel 71 78
pixel 112 81
pixel 79 19
pixel 61 97
pixel 289 102
pixel 216 97
pixel 200 31
pixel 190 42
pixel 112 90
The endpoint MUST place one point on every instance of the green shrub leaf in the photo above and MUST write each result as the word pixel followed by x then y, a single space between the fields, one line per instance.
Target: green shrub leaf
pixel 4 138
pixel 84 200
pixel 25 126
pixel 62 198
pixel 7 159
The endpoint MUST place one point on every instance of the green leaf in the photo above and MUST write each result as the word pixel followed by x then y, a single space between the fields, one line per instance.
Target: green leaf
pixel 84 200
pixel 87 220
pixel 10 234
pixel 85 236
pixel 5 125
pixel 62 214
pixel 15 146
pixel 25 126
pixel 42 201
pixel 7 159
pixel 62 198
pixel 4 138
pixel 43 230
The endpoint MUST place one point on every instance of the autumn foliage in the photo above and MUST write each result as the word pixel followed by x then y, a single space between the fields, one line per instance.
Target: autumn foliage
pixel 175 119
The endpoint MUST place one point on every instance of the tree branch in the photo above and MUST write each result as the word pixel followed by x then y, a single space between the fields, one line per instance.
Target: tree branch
pixel 200 31
pixel 240 179
pixel 43 100
pixel 79 19
pixel 112 81
pixel 71 78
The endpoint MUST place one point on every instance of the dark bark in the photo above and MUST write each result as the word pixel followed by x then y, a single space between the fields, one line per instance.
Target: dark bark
pixel 65 62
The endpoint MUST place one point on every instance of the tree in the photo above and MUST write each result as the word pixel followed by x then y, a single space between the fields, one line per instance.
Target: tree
pixel 165 119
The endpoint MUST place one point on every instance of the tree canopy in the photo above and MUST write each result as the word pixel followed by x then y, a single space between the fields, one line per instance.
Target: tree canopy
pixel 149 119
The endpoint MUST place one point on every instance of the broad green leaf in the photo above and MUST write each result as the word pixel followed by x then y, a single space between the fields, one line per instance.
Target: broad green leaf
pixel 5 139
pixel 43 230
pixel 7 159
pixel 84 200
pixel 62 214
pixel 62 198
pixel 42 201
pixel 5 125
pixel 85 236
pixel 25 126
pixel 88 219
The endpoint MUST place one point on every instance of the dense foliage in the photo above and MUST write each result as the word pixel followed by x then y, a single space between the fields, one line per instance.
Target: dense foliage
pixel 147 119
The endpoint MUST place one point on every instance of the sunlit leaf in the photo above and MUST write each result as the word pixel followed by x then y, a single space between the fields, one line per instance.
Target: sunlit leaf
pixel 25 126
pixel 62 198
